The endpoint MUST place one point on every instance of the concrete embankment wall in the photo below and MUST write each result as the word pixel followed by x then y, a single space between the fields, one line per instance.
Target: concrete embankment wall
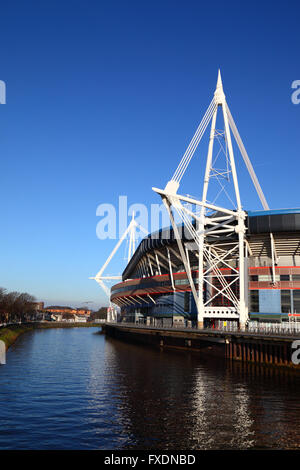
pixel 235 346
pixel 262 350
pixel 168 339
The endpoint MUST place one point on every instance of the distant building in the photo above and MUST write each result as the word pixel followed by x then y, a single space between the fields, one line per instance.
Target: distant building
pixel 80 318
pixel 65 313
pixel 84 311
pixel 38 305
pixel 58 309
pixel 68 317
pixel 56 317
pixel 64 309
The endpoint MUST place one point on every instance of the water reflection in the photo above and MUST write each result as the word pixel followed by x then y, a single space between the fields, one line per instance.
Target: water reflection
pixel 172 400
pixel 75 389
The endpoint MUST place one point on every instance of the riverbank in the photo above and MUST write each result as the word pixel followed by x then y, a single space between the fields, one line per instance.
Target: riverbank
pixel 10 333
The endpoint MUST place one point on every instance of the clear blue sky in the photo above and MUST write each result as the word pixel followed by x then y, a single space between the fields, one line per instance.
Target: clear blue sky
pixel 102 100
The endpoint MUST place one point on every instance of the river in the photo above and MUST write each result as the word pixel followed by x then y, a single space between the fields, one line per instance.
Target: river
pixel 75 389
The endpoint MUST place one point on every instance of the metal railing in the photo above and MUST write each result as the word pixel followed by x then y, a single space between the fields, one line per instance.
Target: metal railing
pixel 252 328
pixel 287 328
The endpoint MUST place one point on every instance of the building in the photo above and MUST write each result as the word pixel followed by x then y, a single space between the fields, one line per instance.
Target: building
pixel 58 309
pixel 56 317
pixel 155 284
pixel 80 318
pixel 64 313
pixel 61 310
pixel 38 306
pixel 84 311
pixel 223 265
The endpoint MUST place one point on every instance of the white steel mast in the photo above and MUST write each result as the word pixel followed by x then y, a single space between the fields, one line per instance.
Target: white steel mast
pixel 100 278
pixel 211 257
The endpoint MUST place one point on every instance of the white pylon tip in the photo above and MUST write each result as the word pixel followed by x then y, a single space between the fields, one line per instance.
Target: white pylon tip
pixel 219 93
pixel 219 82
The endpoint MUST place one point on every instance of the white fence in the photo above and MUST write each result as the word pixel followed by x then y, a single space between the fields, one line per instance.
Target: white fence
pixel 280 328
pixel 288 328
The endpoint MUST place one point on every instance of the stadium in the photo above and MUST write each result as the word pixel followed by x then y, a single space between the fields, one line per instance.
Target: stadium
pixel 155 287
pixel 221 265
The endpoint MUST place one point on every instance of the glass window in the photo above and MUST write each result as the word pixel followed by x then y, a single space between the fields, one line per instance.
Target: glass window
pixel 264 278
pixel 295 277
pixel 296 299
pixel 180 282
pixel 285 301
pixel 254 278
pixel 284 277
pixel 186 301
pixel 267 277
pixel 254 301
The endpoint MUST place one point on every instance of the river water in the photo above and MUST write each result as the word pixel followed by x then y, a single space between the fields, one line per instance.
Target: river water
pixel 75 389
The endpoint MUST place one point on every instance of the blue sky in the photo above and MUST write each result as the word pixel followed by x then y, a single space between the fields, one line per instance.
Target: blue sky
pixel 103 99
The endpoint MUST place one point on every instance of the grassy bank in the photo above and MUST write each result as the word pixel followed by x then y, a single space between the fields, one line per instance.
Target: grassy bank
pixel 10 333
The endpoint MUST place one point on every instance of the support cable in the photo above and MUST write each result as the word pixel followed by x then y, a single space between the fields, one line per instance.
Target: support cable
pixel 247 160
pixel 194 142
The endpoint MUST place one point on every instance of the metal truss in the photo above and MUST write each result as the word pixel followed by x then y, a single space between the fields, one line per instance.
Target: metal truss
pixel 102 280
pixel 217 233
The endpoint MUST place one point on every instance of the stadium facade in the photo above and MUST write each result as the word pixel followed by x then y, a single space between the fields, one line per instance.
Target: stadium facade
pixel 155 287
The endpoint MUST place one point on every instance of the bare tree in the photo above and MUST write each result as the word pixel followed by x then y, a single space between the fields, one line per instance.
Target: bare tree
pixel 15 306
